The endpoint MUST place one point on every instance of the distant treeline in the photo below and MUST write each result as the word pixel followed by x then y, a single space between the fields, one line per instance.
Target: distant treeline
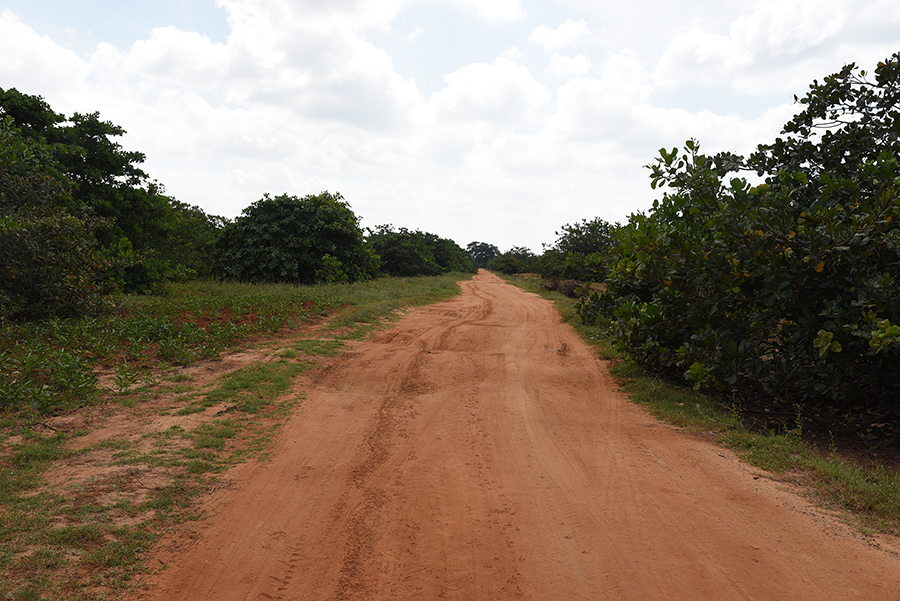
pixel 80 219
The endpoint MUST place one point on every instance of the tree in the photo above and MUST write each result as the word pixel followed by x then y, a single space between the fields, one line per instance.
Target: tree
pixel 296 240
pixel 449 255
pixel 403 253
pixel 136 238
pixel 48 255
pixel 414 253
pixel 518 259
pixel 579 252
pixel 481 253
pixel 789 289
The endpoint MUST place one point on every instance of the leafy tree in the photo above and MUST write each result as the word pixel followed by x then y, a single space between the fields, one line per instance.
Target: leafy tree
pixel 403 253
pixel 481 253
pixel 579 252
pixel 48 255
pixel 139 223
pixel 413 253
pixel 790 288
pixel 187 240
pixel 518 259
pixel 298 240
pixel 449 255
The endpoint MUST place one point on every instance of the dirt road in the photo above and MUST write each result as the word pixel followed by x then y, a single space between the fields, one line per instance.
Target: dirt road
pixel 478 450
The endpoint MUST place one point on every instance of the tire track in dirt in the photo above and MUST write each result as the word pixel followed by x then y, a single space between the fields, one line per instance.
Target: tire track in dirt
pixel 478 450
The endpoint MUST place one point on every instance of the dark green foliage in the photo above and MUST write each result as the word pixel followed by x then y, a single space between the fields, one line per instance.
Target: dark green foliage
pixel 579 252
pixel 406 253
pixel 790 288
pixel 48 255
pixel 295 240
pixel 518 259
pixel 481 253
pixel 144 237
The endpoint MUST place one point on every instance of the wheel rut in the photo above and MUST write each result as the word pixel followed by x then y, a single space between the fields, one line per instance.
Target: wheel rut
pixel 479 450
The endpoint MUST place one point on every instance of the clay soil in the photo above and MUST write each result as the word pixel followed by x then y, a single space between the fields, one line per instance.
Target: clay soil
pixel 479 450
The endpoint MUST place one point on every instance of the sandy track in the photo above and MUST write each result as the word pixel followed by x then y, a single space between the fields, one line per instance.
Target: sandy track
pixel 478 450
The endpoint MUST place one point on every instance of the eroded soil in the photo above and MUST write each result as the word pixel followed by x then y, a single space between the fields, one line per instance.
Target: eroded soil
pixel 478 450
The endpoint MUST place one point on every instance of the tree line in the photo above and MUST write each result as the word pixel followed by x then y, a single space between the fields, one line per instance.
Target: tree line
pixel 80 219
pixel 578 253
pixel 784 291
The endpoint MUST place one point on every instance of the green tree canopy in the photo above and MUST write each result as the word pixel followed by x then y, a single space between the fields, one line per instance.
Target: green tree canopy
pixel 518 259
pixel 298 240
pixel 481 253
pixel 413 253
pixel 140 225
pixel 579 252
pixel 791 288
pixel 48 255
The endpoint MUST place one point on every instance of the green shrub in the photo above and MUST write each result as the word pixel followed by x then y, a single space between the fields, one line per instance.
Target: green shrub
pixel 295 240
pixel 789 288
pixel 48 256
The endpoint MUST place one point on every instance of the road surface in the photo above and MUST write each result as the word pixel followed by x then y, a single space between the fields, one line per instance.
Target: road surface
pixel 478 450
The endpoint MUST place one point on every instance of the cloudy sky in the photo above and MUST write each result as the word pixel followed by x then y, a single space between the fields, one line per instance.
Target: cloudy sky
pixel 489 120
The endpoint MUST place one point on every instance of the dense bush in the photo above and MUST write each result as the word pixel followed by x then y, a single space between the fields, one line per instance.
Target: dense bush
pixel 414 253
pixel 579 252
pixel 48 255
pixel 295 240
pixel 481 253
pixel 144 237
pixel 789 288
pixel 518 259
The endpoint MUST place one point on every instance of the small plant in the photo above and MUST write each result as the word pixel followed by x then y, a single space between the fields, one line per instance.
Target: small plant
pixel 125 377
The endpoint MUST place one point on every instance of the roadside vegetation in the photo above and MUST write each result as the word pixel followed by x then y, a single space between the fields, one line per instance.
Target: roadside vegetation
pixel 767 314
pixel 82 500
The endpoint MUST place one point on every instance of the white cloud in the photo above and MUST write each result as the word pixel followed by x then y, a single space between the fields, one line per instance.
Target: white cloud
pixel 360 14
pixel 183 58
pixel 565 67
pixel 494 10
pixel 790 26
pixel 416 32
pixel 592 108
pixel 305 95
pixel 569 33
pixel 696 57
pixel 778 44
pixel 36 61
pixel 502 94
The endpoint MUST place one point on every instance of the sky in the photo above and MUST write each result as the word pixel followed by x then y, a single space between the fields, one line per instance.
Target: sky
pixel 495 121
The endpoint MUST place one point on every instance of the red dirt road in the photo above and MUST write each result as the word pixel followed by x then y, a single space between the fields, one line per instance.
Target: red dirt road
pixel 479 451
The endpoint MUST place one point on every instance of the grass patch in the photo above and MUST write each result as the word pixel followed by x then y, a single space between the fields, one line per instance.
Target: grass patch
pixel 679 406
pixel 319 348
pixel 872 494
pixel 254 387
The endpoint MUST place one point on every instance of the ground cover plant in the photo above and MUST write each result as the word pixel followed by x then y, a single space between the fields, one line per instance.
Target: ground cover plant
pixel 112 427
